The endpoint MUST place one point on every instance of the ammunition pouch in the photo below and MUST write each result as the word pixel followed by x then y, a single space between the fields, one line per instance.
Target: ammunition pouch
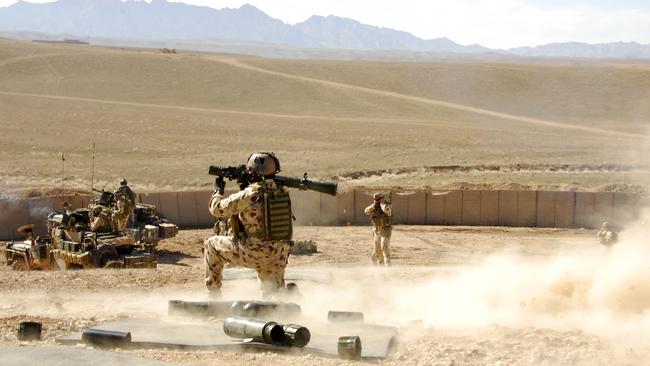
pixel 381 221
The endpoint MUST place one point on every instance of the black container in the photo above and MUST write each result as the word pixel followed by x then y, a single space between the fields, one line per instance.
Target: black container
pixel 106 338
pixel 349 348
pixel 200 308
pixel 345 316
pixel 261 309
pixel 29 331
pixel 259 330
pixel 175 307
pixel 296 335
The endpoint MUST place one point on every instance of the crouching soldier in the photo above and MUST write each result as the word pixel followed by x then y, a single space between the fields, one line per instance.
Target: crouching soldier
pixel 251 244
pixel 381 214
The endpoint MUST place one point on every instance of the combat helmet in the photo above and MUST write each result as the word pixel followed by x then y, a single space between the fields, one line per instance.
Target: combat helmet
pixel 123 182
pixel 264 163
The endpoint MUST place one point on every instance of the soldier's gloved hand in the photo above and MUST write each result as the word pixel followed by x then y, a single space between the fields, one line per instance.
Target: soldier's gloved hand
pixel 219 185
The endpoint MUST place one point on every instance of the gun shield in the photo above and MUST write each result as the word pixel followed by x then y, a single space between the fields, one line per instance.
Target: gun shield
pixel 258 330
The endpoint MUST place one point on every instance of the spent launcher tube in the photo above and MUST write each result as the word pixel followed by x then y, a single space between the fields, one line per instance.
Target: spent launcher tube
pixel 268 332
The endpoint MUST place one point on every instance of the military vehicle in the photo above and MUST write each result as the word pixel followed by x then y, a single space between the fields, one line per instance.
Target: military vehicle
pixel 31 253
pixel 70 244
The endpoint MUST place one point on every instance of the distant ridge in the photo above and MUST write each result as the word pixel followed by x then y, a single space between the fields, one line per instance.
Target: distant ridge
pixel 162 20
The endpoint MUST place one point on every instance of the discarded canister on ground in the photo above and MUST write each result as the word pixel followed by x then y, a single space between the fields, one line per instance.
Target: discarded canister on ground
pixel 296 335
pixel 344 316
pixel 175 307
pixel 106 338
pixel 29 331
pixel 349 348
pixel 200 308
pixel 259 330
pixel 264 308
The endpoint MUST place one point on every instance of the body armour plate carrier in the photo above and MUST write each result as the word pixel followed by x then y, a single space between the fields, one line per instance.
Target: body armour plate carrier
pixel 278 218
pixel 381 221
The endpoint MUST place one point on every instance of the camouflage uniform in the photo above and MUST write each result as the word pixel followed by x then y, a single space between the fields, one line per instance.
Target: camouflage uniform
pixel 222 227
pixel 125 191
pixel 101 223
pixel 121 215
pixel 381 218
pixel 248 247
pixel 607 236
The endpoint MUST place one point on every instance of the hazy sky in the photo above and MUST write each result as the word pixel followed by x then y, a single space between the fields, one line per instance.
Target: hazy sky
pixel 492 23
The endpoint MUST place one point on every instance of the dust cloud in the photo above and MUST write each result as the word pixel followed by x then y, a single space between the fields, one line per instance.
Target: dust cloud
pixel 603 291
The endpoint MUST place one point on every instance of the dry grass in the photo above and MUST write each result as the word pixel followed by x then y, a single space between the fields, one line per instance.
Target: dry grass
pixel 160 120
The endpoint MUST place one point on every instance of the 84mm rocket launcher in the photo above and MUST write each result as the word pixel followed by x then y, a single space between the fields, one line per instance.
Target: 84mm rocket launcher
pixel 244 178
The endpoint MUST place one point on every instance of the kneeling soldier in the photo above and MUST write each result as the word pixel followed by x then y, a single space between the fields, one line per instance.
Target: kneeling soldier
pixel 252 244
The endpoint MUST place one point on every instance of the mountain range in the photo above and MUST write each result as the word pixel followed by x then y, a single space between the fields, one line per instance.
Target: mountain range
pixel 162 20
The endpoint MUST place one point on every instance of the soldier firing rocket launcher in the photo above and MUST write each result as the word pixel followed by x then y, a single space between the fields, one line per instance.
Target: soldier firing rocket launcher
pixel 244 177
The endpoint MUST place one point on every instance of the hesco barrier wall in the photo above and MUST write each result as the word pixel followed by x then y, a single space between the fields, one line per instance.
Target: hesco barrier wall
pixel 484 208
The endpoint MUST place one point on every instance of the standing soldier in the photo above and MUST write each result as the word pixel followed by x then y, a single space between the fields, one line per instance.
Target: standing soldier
pixel 607 236
pixel 125 191
pixel 251 243
pixel 121 215
pixel 381 214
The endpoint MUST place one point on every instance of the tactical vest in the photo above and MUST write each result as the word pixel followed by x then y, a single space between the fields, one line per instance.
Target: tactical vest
pixel 381 221
pixel 278 218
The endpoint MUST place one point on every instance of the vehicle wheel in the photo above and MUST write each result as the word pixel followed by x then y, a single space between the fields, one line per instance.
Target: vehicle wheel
pixel 19 264
pixel 103 255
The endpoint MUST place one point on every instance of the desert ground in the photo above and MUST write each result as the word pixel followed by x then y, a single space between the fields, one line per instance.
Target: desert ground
pixel 459 295
pixel 476 296
pixel 161 119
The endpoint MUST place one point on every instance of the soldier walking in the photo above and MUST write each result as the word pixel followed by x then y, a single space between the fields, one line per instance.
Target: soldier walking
pixel 250 243
pixel 381 215
pixel 606 235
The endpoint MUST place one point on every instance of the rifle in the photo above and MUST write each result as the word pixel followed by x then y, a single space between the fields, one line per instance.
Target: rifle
pixel 244 178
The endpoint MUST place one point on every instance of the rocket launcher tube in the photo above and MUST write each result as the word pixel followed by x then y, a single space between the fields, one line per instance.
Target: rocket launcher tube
pixel 259 330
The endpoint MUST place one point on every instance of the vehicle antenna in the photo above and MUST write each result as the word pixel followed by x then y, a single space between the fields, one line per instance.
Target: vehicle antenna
pixel 62 174
pixel 92 172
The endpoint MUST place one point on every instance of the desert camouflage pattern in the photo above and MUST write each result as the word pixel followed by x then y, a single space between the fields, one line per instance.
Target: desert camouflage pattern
pixel 269 259
pixel 125 192
pixel 101 223
pixel 222 227
pixel 246 247
pixel 121 215
pixel 382 228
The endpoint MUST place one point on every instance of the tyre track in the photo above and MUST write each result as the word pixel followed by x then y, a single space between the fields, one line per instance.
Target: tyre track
pixel 431 102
